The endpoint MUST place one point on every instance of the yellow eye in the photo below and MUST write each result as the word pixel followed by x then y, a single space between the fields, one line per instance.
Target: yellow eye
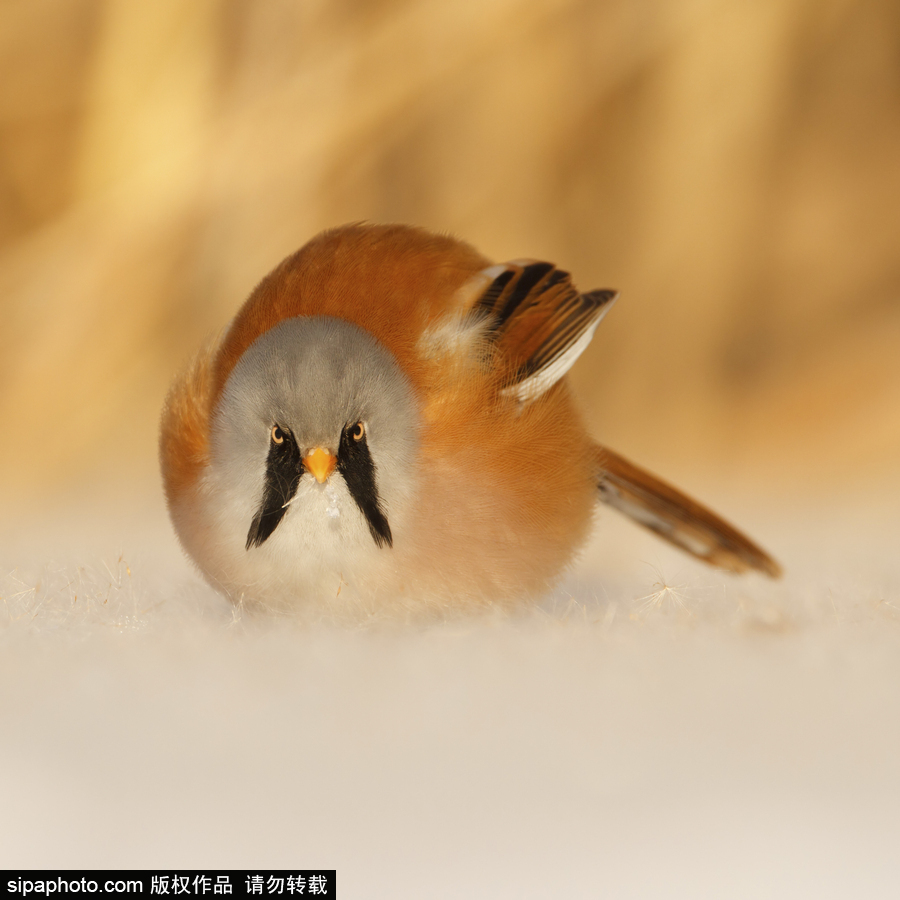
pixel 358 431
pixel 277 435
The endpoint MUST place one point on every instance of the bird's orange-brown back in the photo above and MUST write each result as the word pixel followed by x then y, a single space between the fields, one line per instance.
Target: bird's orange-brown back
pixel 391 280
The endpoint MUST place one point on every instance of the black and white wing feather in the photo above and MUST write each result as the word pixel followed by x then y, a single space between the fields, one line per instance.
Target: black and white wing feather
pixel 540 322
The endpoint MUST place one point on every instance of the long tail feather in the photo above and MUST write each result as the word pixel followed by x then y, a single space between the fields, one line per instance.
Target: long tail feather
pixel 676 518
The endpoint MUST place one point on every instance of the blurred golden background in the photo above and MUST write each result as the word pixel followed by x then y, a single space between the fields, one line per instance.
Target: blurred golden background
pixel 732 168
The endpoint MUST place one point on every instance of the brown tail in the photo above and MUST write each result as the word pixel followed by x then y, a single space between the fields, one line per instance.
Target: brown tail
pixel 677 518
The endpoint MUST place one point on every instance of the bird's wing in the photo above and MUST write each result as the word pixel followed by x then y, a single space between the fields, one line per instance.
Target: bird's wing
pixel 539 322
pixel 675 517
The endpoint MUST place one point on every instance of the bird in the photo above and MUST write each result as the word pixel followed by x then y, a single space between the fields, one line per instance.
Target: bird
pixel 386 424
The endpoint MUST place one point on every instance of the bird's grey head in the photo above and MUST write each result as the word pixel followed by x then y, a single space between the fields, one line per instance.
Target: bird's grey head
pixel 313 405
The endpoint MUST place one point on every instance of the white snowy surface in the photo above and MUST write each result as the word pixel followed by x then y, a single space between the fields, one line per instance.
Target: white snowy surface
pixel 653 730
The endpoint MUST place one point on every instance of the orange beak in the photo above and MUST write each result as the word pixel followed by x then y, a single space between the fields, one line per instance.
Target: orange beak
pixel 320 464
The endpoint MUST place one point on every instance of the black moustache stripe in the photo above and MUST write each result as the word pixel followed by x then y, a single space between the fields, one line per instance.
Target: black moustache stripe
pixel 283 471
pixel 356 466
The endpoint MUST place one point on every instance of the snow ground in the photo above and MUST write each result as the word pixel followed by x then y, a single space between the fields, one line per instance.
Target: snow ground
pixel 718 737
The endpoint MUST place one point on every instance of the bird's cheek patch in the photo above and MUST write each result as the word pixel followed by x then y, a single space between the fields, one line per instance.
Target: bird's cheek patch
pixel 283 471
pixel 356 465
